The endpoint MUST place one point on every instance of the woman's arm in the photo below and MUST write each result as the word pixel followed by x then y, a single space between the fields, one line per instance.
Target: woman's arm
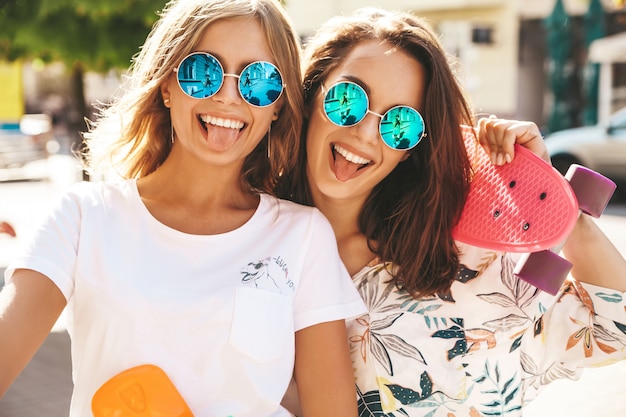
pixel 323 371
pixel 30 304
pixel 596 260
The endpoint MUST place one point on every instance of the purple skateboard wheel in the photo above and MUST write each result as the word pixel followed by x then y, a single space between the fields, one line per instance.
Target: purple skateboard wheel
pixel 544 269
pixel 593 191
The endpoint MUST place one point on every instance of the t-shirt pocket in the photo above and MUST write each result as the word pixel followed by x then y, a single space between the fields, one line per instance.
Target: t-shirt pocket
pixel 262 326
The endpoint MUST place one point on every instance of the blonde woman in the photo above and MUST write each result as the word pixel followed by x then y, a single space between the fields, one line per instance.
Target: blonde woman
pixel 187 262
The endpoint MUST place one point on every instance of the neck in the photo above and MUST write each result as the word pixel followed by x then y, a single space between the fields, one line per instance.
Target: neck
pixel 192 180
pixel 343 216
pixel 196 198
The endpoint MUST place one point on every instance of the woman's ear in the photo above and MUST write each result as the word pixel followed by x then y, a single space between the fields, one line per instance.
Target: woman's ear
pixel 405 156
pixel 280 105
pixel 165 93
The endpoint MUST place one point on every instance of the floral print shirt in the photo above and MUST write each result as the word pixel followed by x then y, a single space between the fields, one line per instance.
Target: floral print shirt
pixel 483 349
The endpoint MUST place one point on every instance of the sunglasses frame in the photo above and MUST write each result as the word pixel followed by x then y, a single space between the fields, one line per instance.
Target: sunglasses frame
pixel 368 110
pixel 225 74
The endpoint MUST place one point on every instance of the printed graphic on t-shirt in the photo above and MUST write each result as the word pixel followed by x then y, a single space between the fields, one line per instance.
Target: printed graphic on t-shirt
pixel 269 274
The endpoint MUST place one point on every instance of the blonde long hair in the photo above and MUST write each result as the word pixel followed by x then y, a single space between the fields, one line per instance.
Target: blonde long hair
pixel 132 136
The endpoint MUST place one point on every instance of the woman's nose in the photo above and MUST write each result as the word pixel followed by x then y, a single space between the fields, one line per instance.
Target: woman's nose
pixel 367 129
pixel 229 92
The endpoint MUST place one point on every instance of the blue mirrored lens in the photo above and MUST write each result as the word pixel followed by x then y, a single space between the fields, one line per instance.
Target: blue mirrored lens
pixel 200 75
pixel 402 127
pixel 260 84
pixel 346 104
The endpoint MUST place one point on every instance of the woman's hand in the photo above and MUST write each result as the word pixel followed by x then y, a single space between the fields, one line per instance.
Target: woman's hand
pixel 497 137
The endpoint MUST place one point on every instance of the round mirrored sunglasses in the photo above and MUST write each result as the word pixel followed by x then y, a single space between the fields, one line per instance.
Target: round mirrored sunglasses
pixel 201 75
pixel 346 104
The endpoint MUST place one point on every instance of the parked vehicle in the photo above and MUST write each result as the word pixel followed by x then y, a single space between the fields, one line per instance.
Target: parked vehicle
pixel 601 148
pixel 25 141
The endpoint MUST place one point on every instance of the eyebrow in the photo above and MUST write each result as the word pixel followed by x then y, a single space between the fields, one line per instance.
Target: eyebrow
pixel 240 66
pixel 368 91
pixel 356 80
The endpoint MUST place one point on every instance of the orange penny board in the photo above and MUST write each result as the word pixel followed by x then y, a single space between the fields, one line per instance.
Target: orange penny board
pixel 522 206
pixel 142 391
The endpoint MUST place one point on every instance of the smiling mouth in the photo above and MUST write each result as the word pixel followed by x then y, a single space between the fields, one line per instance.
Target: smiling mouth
pixel 207 120
pixel 350 157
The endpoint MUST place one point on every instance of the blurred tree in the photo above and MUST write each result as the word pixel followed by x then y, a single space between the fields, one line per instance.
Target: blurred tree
pixel 96 35
pixel 560 66
pixel 595 28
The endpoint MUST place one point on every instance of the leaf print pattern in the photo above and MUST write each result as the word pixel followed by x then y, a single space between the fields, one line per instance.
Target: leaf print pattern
pixel 536 377
pixel 610 298
pixel 522 292
pixel 519 297
pixel 482 349
pixel 476 338
pixel 602 333
pixel 408 396
pixel 409 304
pixel 463 275
pixel 370 405
pixel 377 343
pixel 582 294
pixel 454 332
pixel 502 392
pixel 585 335
pixel 381 344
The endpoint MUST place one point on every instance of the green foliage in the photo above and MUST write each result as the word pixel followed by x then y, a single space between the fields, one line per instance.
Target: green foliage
pixel 97 34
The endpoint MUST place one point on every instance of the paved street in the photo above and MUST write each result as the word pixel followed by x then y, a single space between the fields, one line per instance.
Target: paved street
pixel 44 388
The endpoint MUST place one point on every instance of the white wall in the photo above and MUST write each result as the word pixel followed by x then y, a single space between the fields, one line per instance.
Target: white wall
pixel 489 72
pixel 308 15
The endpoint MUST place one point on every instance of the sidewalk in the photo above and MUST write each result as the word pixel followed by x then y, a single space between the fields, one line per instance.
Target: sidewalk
pixel 45 387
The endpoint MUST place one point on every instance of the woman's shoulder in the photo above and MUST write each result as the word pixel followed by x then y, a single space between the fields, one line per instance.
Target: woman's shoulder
pixel 290 214
pixel 287 207
pixel 91 191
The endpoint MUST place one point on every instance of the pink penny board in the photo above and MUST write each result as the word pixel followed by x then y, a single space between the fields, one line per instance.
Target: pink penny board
pixel 523 206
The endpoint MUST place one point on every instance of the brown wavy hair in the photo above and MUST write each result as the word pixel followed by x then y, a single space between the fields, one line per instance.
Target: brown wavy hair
pixel 132 136
pixel 409 216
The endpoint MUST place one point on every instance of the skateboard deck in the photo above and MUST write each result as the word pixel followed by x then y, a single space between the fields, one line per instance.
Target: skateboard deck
pixel 142 391
pixel 522 206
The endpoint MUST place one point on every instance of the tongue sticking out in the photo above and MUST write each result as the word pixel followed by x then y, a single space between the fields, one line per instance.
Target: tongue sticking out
pixel 220 137
pixel 344 169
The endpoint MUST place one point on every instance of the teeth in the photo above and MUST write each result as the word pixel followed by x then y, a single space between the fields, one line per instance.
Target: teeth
pixel 351 157
pixel 218 121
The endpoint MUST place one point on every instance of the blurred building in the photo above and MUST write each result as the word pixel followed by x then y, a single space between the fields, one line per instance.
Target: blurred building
pixel 500 44
pixel 12 103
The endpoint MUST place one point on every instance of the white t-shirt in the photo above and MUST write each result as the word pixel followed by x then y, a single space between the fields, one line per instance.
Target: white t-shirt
pixel 217 313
